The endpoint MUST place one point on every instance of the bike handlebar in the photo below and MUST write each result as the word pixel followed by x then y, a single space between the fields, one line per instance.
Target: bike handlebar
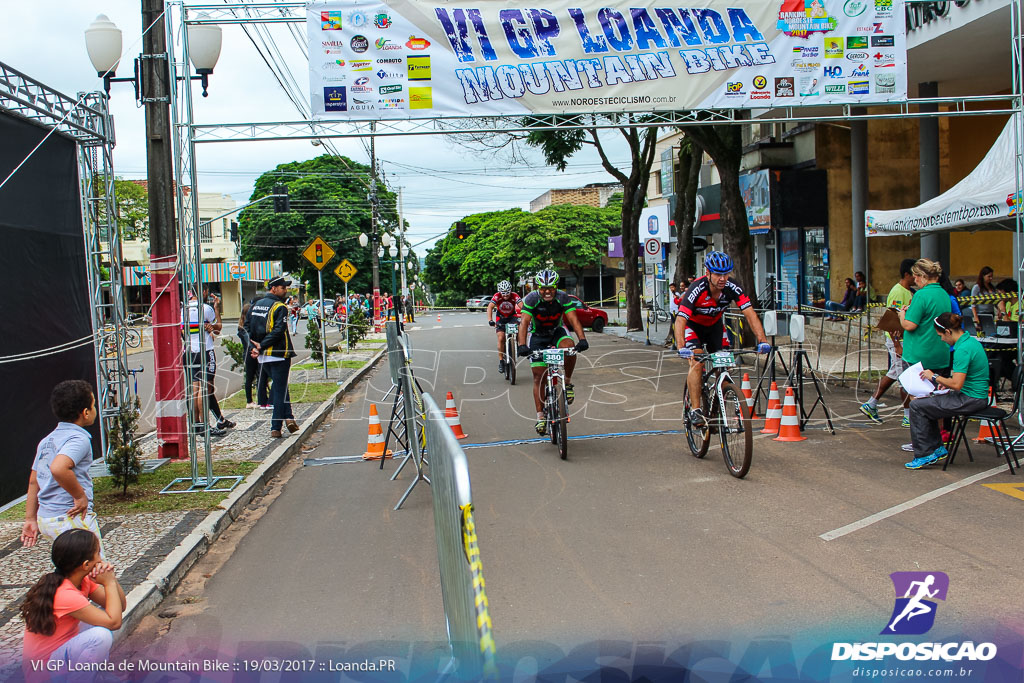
pixel 539 355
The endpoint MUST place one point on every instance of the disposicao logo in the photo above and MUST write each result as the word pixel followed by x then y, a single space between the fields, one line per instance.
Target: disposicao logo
pixel 914 614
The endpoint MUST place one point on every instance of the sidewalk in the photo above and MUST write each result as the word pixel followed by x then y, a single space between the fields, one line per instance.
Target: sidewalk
pixel 140 543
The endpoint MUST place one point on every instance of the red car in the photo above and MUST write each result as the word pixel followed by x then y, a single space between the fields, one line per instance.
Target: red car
pixel 593 318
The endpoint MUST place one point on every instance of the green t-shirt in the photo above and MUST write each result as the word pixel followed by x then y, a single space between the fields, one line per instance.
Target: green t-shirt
pixel 969 358
pixel 923 344
pixel 899 296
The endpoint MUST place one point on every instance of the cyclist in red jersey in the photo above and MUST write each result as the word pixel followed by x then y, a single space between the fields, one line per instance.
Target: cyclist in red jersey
pixel 507 305
pixel 699 325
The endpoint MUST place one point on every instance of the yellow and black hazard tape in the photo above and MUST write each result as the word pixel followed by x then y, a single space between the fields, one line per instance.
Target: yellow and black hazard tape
pixel 985 298
pixel 476 570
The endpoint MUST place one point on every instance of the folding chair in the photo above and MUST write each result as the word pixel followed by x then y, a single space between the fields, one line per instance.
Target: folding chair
pixel 996 418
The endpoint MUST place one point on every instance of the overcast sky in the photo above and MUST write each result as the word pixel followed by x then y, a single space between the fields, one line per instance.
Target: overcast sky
pixel 441 181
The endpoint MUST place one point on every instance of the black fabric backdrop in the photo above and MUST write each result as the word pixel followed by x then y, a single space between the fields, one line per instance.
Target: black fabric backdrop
pixel 46 297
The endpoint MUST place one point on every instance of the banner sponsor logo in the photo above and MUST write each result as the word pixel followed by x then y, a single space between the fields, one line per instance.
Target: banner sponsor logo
pixel 855 8
pixel 861 70
pixel 333 51
pixel 421 98
pixel 858 88
pixel 834 48
pixel 806 67
pixel 335 99
pixel 857 43
pixel 856 56
pixel 833 71
pixel 386 44
pixel 389 60
pixel 330 21
pixel 835 89
pixel 357 19
pixel 808 85
pixel 417 43
pixel 359 44
pixel 389 89
pixel 885 60
pixel 760 82
pixel 382 20
pixel 418 67
pixel 362 65
pixel 784 87
pixel 804 17
pixel 806 52
pixel 385 75
pixel 885 83
pixel 336 78
pixel 391 103
pixel 882 41
pixel 333 66
pixel 735 89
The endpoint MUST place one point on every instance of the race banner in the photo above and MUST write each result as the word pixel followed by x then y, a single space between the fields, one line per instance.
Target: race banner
pixel 397 59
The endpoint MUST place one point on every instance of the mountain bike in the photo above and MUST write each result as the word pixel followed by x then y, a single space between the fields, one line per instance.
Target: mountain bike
pixel 511 337
pixel 556 408
pixel 657 313
pixel 726 412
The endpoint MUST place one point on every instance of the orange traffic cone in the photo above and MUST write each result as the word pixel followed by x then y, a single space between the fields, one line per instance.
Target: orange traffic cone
pixel 748 394
pixel 375 438
pixel 985 432
pixel 452 416
pixel 438 317
pixel 773 417
pixel 789 428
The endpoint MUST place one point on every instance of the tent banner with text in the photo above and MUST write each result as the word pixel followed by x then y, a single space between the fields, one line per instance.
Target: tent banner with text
pixel 426 59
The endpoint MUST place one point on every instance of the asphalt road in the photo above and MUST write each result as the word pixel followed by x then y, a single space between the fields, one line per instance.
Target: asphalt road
pixel 630 540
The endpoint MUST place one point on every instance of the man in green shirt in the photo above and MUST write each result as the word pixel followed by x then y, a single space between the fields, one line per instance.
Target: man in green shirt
pixel 899 296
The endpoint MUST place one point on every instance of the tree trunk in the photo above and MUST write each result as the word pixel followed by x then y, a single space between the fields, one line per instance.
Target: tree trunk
pixel 630 252
pixel 686 208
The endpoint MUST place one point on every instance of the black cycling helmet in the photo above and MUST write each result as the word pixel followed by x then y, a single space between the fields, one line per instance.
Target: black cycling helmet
pixel 546 278
pixel 718 262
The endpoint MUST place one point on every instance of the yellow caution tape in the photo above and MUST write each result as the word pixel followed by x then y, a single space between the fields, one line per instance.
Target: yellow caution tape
pixel 476 569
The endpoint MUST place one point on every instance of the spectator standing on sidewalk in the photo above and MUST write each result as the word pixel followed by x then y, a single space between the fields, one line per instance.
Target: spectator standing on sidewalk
pixel 272 347
pixel 59 486
pixel 62 627
pixel 674 299
pixel 983 286
pixel 202 319
pixel 899 296
pixel 251 366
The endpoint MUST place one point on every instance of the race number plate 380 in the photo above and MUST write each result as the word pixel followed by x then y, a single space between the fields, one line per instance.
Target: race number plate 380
pixel 554 357
pixel 723 359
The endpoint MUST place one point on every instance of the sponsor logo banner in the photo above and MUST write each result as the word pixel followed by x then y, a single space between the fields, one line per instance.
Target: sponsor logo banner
pixel 574 56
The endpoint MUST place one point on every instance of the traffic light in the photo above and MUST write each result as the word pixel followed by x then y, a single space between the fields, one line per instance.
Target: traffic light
pixel 282 204
pixel 234 231
pixel 461 230
pixel 319 248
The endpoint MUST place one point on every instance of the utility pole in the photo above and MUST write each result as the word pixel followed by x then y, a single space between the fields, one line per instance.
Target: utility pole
pixel 401 240
pixel 374 221
pixel 164 287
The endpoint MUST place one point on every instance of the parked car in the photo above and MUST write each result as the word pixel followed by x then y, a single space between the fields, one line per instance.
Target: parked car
pixel 477 303
pixel 589 316
pixel 328 307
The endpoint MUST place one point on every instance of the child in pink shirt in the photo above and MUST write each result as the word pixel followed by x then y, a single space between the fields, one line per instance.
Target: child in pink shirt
pixel 61 625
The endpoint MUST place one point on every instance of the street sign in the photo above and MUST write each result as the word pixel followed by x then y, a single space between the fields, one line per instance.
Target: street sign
pixel 652 251
pixel 237 270
pixel 319 253
pixel 345 270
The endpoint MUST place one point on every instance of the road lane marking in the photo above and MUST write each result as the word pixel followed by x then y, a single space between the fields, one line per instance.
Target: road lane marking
pixel 1014 490
pixel 912 503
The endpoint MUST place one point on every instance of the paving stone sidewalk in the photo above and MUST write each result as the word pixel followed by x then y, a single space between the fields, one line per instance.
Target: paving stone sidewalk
pixel 138 543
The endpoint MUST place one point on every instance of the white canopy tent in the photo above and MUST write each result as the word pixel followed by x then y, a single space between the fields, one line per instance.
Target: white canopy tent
pixel 982 200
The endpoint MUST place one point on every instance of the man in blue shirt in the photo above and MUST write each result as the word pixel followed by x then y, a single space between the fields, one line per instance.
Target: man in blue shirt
pixel 59 487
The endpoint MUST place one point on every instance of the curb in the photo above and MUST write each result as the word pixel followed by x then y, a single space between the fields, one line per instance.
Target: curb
pixel 165 577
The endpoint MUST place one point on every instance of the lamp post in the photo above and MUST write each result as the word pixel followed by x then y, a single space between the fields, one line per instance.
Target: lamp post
pixel 151 81
pixel 371 241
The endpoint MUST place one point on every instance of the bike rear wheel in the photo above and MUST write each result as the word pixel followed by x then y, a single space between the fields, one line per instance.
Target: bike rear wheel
pixel 132 337
pixel 698 438
pixel 736 431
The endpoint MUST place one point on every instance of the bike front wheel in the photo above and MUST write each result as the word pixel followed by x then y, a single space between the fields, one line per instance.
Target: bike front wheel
pixel 698 438
pixel 559 428
pixel 510 363
pixel 736 431
pixel 132 337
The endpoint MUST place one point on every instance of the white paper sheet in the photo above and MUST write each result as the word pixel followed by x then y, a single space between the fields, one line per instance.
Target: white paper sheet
pixel 912 383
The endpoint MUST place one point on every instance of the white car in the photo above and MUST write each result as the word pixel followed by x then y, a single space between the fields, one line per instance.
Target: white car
pixel 328 307
pixel 477 303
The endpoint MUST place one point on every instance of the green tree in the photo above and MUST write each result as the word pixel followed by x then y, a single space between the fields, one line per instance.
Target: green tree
pixel 132 203
pixel 124 461
pixel 689 160
pixel 328 197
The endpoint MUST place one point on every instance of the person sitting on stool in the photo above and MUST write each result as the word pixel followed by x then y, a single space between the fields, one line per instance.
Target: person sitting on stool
pixel 968 393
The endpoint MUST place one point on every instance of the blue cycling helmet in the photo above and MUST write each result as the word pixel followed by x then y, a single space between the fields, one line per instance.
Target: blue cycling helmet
pixel 718 262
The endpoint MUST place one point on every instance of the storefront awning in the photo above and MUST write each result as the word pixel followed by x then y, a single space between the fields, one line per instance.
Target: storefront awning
pixel 982 200
pixel 255 271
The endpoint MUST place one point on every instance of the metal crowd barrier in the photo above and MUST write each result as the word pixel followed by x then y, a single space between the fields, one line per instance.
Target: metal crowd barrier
pixel 458 555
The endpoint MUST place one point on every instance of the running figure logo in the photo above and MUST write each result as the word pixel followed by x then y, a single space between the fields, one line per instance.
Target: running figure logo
pixel 914 611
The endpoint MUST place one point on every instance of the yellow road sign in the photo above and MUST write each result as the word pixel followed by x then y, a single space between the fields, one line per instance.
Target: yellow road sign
pixel 319 253
pixel 345 270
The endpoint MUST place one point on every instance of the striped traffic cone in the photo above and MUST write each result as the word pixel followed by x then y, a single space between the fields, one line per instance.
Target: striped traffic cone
pixel 985 432
pixel 773 417
pixel 375 438
pixel 452 416
pixel 748 394
pixel 438 317
pixel 789 428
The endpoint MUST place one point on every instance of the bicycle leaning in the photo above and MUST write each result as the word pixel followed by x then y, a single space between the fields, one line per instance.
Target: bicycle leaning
pixel 556 407
pixel 726 412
